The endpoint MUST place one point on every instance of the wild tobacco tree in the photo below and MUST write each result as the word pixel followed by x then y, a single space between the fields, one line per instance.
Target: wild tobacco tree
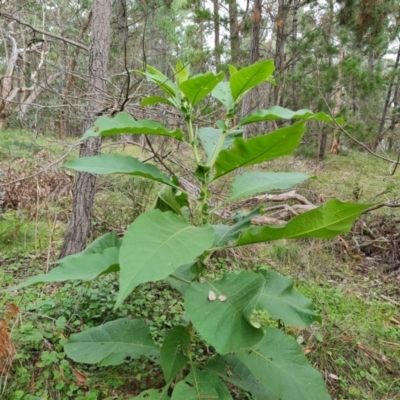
pixel 175 240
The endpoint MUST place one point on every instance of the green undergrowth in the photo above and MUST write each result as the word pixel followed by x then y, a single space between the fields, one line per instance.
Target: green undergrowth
pixel 356 347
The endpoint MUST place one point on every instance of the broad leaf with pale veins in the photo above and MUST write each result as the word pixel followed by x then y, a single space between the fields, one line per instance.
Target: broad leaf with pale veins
pixel 111 343
pixel 226 324
pixel 209 138
pixel 124 123
pixel 86 267
pixel 279 364
pixel 200 385
pixel 325 222
pixel 172 353
pixel 198 87
pixel 162 81
pixel 251 183
pixel 259 149
pixel 153 394
pixel 153 100
pixel 283 302
pixel 247 78
pixel 227 233
pixel 232 370
pixel 155 245
pixel 222 92
pixel 115 164
pixel 279 113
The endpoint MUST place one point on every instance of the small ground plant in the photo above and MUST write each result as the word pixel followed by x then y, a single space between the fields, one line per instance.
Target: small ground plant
pixel 175 239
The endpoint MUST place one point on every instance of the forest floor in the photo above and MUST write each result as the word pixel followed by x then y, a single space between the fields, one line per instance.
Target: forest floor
pixel 353 280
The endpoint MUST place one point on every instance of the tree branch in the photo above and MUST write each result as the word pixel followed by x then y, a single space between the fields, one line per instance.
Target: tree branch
pixel 53 35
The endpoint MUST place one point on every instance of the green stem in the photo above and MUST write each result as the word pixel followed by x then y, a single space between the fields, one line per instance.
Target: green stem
pixel 220 143
pixel 180 279
pixel 192 140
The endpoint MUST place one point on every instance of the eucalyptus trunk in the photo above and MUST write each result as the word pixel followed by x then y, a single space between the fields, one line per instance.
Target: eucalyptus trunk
pixel 85 184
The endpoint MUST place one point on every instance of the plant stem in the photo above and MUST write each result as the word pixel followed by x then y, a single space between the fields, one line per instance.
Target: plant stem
pixel 192 140
pixel 180 279
pixel 220 143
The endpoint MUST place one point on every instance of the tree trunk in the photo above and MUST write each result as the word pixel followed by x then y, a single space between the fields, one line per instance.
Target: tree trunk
pixel 217 49
pixel 388 101
pixel 70 79
pixel 234 31
pixel 254 57
pixel 6 83
pixel 84 186
pixel 280 46
pixel 294 55
pixel 335 145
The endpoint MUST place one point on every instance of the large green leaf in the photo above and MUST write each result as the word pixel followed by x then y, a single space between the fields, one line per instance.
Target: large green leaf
pixel 279 113
pixel 209 138
pixel 155 245
pixel 249 77
pixel 325 222
pixel 279 364
pixel 231 370
pixel 152 100
pixel 198 87
pixel 163 82
pixel 166 201
pixel 110 239
pixel 227 233
pixel 225 324
pixel 125 123
pixel 116 164
pixel 172 356
pixel 181 72
pixel 200 385
pixel 86 267
pixel 222 92
pixel 112 343
pixel 283 302
pixel 259 149
pixel 180 278
pixel 153 394
pixel 251 183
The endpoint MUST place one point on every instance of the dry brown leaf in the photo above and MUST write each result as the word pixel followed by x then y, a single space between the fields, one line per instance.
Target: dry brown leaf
pixel 308 350
pixel 12 311
pixel 80 377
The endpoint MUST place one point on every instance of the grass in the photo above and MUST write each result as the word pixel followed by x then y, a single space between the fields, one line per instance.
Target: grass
pixel 356 347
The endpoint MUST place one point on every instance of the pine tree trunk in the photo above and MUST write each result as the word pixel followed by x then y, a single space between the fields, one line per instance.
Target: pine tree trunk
pixel 254 57
pixel 85 184
pixel 63 116
pixel 280 45
pixel 234 31
pixel 217 50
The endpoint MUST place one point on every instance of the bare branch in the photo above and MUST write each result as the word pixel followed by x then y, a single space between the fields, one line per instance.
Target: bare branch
pixel 53 35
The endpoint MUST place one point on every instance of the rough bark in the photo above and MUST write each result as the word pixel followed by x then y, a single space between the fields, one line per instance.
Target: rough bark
pixel 254 57
pixel 71 78
pixel 234 31
pixel 217 49
pixel 294 55
pixel 280 45
pixel 84 186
